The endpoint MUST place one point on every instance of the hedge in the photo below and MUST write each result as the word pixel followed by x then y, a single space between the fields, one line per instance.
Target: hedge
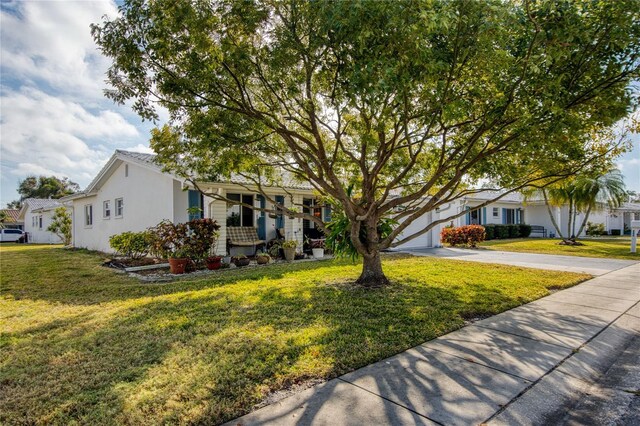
pixel 501 232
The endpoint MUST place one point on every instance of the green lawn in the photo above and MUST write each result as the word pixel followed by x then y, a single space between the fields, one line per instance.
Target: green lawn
pixel 615 248
pixel 82 344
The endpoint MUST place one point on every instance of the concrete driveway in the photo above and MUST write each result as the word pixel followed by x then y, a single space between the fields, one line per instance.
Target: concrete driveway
pixel 587 265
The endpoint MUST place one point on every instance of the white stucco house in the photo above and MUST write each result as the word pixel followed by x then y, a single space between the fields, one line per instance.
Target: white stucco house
pixel 133 193
pixel 37 215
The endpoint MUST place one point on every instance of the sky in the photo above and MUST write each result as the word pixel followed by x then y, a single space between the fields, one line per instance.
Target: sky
pixel 54 119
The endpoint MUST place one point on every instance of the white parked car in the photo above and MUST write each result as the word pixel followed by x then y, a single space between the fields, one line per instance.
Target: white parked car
pixel 10 235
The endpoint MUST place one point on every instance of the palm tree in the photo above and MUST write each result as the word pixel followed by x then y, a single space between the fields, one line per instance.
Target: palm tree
pixel 584 193
pixel 593 193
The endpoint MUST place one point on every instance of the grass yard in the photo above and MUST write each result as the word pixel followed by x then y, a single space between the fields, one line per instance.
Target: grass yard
pixel 83 344
pixel 615 248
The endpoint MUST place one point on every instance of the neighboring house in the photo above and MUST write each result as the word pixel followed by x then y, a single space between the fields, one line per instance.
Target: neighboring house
pixel 12 220
pixel 132 193
pixel 37 215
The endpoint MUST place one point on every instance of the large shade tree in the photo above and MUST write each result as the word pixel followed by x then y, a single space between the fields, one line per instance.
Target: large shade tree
pixel 390 109
pixel 43 187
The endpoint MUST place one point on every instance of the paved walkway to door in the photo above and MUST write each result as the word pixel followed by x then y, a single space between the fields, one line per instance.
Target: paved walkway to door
pixel 529 365
pixel 587 265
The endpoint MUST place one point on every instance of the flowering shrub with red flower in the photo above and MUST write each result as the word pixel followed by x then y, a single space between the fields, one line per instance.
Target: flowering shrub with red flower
pixel 469 235
pixel 191 240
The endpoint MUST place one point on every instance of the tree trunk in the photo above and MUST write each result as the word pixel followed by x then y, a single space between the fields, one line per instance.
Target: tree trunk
pixel 553 218
pixel 569 219
pixel 372 275
pixel 584 222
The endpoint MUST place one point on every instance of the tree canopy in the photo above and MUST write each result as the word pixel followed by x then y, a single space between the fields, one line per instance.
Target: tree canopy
pixel 43 187
pixel 390 109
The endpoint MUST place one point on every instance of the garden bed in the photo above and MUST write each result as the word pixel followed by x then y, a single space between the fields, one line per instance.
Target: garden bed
pixel 159 270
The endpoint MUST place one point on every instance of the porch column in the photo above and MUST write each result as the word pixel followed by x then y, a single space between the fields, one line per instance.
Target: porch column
pixel 218 212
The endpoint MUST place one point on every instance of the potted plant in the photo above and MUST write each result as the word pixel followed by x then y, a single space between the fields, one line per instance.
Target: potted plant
pixel 317 248
pixel 214 262
pixel 240 260
pixel 178 261
pixel 289 248
pixel 262 258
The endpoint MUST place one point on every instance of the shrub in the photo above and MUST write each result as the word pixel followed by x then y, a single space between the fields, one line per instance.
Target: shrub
pixel 134 245
pixel 525 230
pixel 594 229
pixel 615 232
pixel 61 225
pixel 469 235
pixel 514 231
pixel 490 232
pixel 502 231
pixel 193 239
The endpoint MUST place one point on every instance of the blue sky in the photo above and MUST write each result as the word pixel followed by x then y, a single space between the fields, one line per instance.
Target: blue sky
pixel 54 117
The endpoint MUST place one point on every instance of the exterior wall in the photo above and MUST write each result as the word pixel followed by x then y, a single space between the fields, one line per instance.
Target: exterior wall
pixel 180 200
pixel 424 240
pixel 147 198
pixel 487 212
pixel 40 235
pixel 539 215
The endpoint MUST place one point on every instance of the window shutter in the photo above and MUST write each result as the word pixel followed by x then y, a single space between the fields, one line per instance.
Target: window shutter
pixel 504 216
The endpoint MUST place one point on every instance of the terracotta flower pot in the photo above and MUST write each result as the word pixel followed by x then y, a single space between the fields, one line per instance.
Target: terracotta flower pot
pixel 214 263
pixel 178 265
pixel 242 262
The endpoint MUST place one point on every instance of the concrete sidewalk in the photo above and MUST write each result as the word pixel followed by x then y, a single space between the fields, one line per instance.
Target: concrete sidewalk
pixel 587 265
pixel 524 366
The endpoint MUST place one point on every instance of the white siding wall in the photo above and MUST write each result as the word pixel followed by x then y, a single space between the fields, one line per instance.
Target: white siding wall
pixel 148 199
pixel 40 235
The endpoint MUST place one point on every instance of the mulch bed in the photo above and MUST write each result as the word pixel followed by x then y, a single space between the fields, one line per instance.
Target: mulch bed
pixel 123 262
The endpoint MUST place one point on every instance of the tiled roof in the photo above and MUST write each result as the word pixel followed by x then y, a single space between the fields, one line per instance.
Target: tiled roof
pixel 41 203
pixel 287 180
pixel 140 156
pixel 489 195
pixel 12 215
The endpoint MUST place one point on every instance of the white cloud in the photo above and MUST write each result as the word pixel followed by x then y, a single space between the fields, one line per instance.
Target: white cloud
pixel 43 134
pixel 51 42
pixel 54 117
pixel 140 148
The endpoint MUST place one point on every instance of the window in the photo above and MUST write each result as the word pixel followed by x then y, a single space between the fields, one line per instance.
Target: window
pixel 475 217
pixel 106 209
pixel 496 212
pixel 238 215
pixel 119 207
pixel 509 216
pixel 40 221
pixel 33 221
pixel 88 215
pixel 196 202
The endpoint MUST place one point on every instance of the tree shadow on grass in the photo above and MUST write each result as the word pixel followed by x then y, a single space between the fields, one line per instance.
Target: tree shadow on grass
pixel 208 357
